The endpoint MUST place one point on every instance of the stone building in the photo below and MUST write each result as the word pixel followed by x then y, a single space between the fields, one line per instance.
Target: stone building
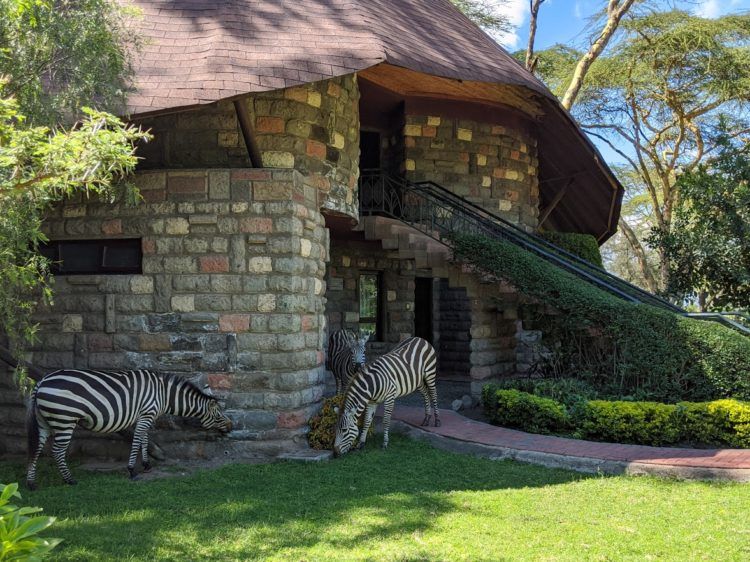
pixel 249 246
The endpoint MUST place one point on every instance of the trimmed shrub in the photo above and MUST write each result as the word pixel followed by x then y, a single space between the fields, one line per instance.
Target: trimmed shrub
pixel 567 391
pixel 721 422
pixel 513 408
pixel 620 348
pixel 322 432
pixel 582 245
pixel 19 538
pixel 644 423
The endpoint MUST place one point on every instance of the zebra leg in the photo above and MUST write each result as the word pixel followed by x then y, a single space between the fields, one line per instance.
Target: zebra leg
pixel 144 453
pixel 432 388
pixel 141 428
pixel 60 444
pixel 427 412
pixel 31 473
pixel 390 402
pixel 369 414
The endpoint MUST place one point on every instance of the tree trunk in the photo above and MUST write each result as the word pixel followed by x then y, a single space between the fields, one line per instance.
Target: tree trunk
pixel 640 256
pixel 614 15
pixel 534 9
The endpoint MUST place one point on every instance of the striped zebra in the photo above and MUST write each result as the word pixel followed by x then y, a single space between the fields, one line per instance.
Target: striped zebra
pixel 106 402
pixel 408 367
pixel 346 355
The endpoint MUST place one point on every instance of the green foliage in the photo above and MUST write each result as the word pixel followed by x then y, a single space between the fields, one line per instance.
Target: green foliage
pixel 582 245
pixel 708 246
pixel 39 168
pixel 513 408
pixel 618 347
pixel 323 424
pixel 60 55
pixel 567 391
pixel 644 423
pixel 721 422
pixel 18 531
pixel 485 14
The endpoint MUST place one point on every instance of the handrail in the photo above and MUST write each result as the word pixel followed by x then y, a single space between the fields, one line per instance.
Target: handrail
pixel 394 192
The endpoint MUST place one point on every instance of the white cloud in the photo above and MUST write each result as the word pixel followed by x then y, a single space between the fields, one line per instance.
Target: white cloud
pixel 516 11
pixel 715 8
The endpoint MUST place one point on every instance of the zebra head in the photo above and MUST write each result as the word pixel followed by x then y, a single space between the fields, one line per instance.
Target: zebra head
pixel 357 346
pixel 213 418
pixel 346 432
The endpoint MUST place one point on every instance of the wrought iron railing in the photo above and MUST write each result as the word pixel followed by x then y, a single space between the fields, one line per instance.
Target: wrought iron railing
pixel 439 213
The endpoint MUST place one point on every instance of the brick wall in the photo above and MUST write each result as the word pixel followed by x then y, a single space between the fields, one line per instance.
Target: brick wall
pixel 491 165
pixel 312 128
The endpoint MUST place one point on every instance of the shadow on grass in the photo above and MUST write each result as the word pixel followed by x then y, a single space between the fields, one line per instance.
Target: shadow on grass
pixel 256 511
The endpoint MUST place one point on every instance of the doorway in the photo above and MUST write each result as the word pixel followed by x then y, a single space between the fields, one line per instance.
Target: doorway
pixel 423 308
pixel 369 150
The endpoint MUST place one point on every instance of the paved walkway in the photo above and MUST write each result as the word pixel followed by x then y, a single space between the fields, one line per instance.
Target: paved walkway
pixel 463 434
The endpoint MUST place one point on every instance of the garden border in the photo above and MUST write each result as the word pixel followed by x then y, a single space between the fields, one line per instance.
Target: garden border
pixel 463 435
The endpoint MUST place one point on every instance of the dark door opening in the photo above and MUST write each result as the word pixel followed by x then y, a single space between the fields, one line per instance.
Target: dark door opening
pixel 369 150
pixel 423 308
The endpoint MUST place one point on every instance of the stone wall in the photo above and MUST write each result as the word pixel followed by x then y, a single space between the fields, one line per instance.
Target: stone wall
pixel 313 129
pixel 348 260
pixel 491 165
pixel 454 352
pixel 232 293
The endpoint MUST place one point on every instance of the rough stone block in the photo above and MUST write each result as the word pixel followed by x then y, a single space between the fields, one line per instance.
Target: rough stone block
pixel 213 264
pixel 72 323
pixel 261 264
pixel 177 225
pixel 234 322
pixel 266 124
pixel 183 303
pixel 272 190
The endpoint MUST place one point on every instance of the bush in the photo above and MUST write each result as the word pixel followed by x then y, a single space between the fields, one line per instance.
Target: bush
pixel 582 245
pixel 644 423
pixel 568 391
pixel 323 425
pixel 18 532
pixel 619 347
pixel 721 422
pixel 513 408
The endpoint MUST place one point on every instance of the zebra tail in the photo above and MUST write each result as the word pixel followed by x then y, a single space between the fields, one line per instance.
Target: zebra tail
pixel 32 427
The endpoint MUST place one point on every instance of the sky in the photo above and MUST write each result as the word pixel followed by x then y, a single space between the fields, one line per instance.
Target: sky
pixel 564 21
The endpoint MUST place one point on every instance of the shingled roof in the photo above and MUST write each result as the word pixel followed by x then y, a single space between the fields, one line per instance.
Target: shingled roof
pixel 201 51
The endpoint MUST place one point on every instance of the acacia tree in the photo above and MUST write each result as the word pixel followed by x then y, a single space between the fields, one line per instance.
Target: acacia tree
pixel 485 14
pixel 656 99
pixel 708 248
pixel 53 60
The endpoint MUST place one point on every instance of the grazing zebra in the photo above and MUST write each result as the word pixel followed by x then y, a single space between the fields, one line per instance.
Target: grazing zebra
pixel 346 355
pixel 408 367
pixel 106 402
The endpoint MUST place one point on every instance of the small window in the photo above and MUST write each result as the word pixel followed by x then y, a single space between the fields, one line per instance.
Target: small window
pixel 94 257
pixel 370 304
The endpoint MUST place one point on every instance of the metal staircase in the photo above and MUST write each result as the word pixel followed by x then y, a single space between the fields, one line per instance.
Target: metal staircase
pixel 438 213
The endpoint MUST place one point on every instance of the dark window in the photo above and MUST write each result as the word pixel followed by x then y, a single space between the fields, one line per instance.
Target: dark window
pixel 91 257
pixel 369 150
pixel 371 305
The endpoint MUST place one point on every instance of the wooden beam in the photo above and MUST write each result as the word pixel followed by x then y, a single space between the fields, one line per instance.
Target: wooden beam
pixel 246 126
pixel 555 201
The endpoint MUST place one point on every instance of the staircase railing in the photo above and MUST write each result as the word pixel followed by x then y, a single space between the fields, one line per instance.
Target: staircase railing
pixel 439 213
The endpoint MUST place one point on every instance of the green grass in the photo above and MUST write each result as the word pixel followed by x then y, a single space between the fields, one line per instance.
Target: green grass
pixel 411 502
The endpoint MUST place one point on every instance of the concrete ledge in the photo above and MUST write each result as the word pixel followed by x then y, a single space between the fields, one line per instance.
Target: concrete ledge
pixel 578 464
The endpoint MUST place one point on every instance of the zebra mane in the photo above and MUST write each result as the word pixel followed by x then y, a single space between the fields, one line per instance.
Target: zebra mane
pixel 177 379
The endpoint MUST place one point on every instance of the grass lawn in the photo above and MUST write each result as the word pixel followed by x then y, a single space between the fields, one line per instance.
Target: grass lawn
pixel 412 502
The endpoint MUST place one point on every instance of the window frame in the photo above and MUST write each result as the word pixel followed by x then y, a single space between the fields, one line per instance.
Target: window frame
pixel 379 318
pixel 55 251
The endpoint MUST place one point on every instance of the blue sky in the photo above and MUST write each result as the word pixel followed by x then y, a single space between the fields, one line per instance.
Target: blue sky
pixel 564 21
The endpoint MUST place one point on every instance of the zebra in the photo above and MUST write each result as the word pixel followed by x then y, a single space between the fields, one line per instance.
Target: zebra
pixel 346 355
pixel 408 367
pixel 106 402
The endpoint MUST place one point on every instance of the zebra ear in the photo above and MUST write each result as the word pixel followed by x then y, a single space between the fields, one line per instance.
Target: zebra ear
pixel 207 390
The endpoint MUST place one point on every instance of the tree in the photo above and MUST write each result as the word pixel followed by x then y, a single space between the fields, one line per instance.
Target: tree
pixel 485 14
pixel 708 247
pixel 58 55
pixel 657 98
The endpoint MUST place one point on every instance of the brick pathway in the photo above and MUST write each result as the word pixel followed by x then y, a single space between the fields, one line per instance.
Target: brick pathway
pixel 463 429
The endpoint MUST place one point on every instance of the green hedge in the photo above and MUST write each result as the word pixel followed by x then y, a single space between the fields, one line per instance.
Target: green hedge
pixel 717 423
pixel 619 347
pixel 513 408
pixel 645 423
pixel 567 391
pixel 582 245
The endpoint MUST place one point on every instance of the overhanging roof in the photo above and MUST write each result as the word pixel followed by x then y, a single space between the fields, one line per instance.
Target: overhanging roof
pixel 200 51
